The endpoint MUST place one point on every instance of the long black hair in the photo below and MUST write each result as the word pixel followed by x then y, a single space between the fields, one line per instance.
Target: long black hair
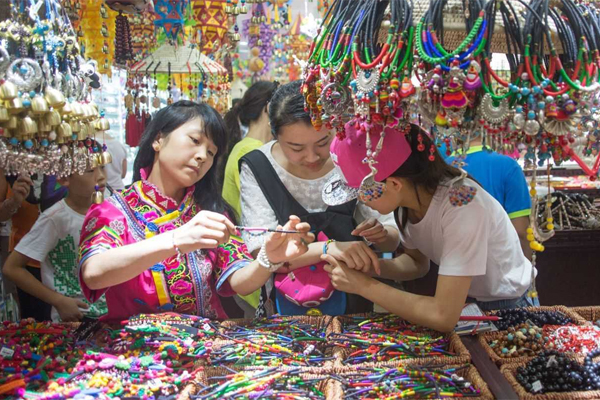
pixel 287 107
pixel 420 170
pixel 208 189
pixel 248 109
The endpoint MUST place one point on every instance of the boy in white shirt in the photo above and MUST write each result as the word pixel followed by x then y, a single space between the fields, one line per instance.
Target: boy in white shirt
pixel 54 242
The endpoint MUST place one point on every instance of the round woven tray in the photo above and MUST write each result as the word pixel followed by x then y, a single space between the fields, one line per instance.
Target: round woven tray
pixel 509 372
pixel 470 374
pixel 486 338
pixel 589 313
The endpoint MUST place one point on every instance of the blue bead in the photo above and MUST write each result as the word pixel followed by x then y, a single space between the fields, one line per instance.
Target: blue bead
pixel 28 144
pixel 74 136
pixel 44 142
pixel 32 94
pixel 13 141
pixel 531 114
pixel 542 105
pixel 313 268
pixel 27 103
pixel 525 91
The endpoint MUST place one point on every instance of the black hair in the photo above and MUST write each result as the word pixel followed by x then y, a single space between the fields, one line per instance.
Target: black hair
pixel 208 189
pixel 420 171
pixel 248 109
pixel 287 107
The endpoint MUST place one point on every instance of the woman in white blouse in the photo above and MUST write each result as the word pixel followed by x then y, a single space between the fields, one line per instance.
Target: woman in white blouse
pixel 286 176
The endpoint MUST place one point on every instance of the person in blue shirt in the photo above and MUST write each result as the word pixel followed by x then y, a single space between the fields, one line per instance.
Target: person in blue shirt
pixel 503 178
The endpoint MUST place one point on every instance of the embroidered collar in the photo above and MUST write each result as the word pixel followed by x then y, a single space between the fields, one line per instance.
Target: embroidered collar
pixel 152 195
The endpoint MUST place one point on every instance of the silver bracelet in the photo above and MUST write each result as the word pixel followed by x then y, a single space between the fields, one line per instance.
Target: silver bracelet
pixel 180 254
pixel 263 260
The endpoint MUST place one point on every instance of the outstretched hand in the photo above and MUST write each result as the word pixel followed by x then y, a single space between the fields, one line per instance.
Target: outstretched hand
pixel 282 247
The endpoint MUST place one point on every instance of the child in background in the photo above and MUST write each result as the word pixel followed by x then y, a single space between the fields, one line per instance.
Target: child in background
pixel 53 241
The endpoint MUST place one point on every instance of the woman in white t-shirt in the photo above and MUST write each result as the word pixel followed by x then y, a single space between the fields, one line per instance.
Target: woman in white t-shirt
pixel 443 216
pixel 288 175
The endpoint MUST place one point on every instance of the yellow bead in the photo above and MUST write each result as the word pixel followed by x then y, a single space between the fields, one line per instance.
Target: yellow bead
pixel 533 245
pixel 550 226
pixel 530 231
pixel 534 294
pixel 550 219
pixel 530 238
pixel 533 192
pixel 542 248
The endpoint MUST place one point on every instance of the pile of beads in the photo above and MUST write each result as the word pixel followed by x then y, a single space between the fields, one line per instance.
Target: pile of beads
pixel 267 384
pixel 387 338
pixel 573 339
pixel 106 376
pixel 273 341
pixel 591 371
pixel 420 383
pixel 522 340
pixel 31 352
pixel 552 372
pixel 518 316
pixel 180 339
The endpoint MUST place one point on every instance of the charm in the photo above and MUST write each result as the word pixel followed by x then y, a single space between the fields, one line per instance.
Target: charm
pixel 370 189
pixel 491 113
pixel 367 80
pixel 336 99
pixel 532 127
pixel 472 81
pixel 459 193
pixel 25 73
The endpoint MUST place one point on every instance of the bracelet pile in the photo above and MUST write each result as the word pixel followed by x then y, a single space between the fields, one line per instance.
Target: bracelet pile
pixel 397 383
pixel 273 341
pixel 387 338
pixel 269 384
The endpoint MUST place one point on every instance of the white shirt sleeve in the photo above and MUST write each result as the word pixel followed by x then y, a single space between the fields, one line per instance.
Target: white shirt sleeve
pixel 256 210
pixel 465 232
pixel 40 240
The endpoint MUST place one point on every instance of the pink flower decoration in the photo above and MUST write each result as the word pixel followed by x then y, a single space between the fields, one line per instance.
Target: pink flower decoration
pixel 166 227
pixel 150 215
pixel 181 287
pixel 171 263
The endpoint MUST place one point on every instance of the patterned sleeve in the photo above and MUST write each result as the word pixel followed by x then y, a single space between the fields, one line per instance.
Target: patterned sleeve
pixel 233 256
pixel 104 228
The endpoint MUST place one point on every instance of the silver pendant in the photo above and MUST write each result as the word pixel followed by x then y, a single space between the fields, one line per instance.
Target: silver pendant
pixel 491 113
pixel 532 127
pixel 367 80
pixel 336 99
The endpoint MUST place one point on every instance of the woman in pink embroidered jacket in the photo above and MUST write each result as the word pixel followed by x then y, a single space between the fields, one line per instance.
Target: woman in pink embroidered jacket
pixel 167 242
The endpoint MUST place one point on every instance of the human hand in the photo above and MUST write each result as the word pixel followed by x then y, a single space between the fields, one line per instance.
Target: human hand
pixel 21 188
pixel 356 255
pixel 69 309
pixel 288 246
pixel 206 230
pixel 344 278
pixel 372 230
